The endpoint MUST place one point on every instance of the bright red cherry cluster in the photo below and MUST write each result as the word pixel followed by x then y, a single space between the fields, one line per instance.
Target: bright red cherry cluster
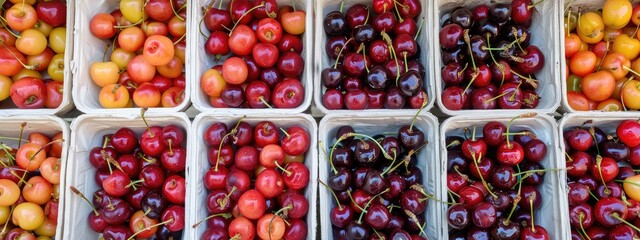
pixel 488 60
pixel 142 185
pixel 493 182
pixel 376 57
pixel 604 189
pixel 145 67
pixel 32 47
pixel 273 207
pixel 29 183
pixel 264 66
pixel 377 185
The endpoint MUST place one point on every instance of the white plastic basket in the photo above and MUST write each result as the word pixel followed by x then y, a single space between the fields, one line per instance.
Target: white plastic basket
pixel 85 92
pixel 553 214
pixel 545 34
pixel 322 61
pixel 203 61
pixel 581 5
pixel 47 125
pixel 608 122
pixel 371 124
pixel 88 131
pixel 67 103
pixel 199 164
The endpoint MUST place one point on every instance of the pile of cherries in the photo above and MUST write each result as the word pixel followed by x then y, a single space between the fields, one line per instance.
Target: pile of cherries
pixel 256 181
pixel 604 187
pixel 376 57
pixel 29 180
pixel 147 42
pixel 493 182
pixel 142 185
pixel 32 47
pixel 488 60
pixel 377 185
pixel 264 44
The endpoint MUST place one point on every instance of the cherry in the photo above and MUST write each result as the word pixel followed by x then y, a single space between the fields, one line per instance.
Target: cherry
pixel 413 201
pixel 605 169
pixel 451 36
pixel 627 132
pixel 458 217
pixel 154 203
pixel 534 232
pixel 124 140
pixel 384 22
pixel 357 15
pixel 334 24
pixel 581 216
pixel 535 150
pixel 609 211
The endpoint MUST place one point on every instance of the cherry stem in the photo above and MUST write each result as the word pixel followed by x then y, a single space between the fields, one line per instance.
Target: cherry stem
pixel 531 81
pixel 335 65
pixel 533 223
pixel 617 216
pixel 364 57
pixel 150 227
pixel 28 67
pixel 475 162
pixel 147 159
pixel 180 39
pixel 429 196
pixel 287 208
pixel 174 11
pixel 369 204
pixel 624 107
pixel 79 194
pixel 142 112
pixel 110 159
pixel 605 55
pixel 332 193
pixel 629 182
pixel 200 27
pixel 2 20
pixel 416 220
pixel 453 143
pixel 395 4
pixel 12 138
pixel 21 136
pixel 452 194
pixel 419 28
pixel 473 134
pixel 391 166
pixel 384 153
pixel 225 215
pixel 341 6
pixel 245 14
pixel 131 25
pixel 580 218
pixel 516 200
pixel 355 203
pixel 4 228
pixel 6 149
pixel 261 98
pixel 285 132
pixel 530 172
pixel 283 169
pixel 467 40
pixel 473 79
pixel 569 22
pixel 415 117
pixel 523 133
pixel 392 50
pixel 499 96
pixel 405 160
pixel 498 65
